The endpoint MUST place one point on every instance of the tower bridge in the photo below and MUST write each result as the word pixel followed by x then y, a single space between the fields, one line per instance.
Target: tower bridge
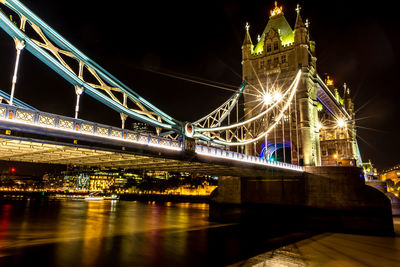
pixel 320 123
pixel 282 64
pixel 287 106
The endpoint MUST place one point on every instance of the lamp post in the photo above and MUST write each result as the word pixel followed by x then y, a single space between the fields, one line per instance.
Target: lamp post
pixel 19 45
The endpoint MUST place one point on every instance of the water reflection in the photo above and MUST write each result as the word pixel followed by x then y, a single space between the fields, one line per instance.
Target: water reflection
pixel 121 233
pixel 142 233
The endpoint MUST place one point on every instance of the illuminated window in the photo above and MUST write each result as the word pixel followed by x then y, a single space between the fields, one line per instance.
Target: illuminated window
pixel 330 136
pixel 268 47
pixel 276 45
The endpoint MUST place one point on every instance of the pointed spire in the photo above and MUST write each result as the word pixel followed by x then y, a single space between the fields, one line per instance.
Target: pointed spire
pixel 247 38
pixel 346 90
pixel 307 24
pixel 299 20
pixel 276 11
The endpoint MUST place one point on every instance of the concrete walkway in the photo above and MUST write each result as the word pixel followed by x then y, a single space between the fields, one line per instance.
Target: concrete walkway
pixel 334 249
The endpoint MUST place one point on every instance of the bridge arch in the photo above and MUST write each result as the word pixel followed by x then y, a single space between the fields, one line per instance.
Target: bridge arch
pixel 274 151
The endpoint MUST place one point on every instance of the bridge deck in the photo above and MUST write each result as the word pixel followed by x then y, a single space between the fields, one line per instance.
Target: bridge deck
pixel 33 136
pixel 40 152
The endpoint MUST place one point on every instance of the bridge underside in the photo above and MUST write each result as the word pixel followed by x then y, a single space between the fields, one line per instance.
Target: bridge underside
pixel 46 152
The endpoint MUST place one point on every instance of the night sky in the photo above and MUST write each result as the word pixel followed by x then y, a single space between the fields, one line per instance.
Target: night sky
pixel 356 43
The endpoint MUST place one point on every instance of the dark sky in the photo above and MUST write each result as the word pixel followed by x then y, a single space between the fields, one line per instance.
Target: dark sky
pixel 356 43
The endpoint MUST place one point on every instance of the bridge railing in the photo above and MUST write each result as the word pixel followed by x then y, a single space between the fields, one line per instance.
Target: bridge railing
pixel 78 126
pixel 220 153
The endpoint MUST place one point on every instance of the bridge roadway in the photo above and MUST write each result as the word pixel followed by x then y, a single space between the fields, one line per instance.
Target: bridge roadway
pixel 34 136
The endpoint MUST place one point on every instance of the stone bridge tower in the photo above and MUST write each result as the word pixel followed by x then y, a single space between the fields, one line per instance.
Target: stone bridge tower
pixel 273 62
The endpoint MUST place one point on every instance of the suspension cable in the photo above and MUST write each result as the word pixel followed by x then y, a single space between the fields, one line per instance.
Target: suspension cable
pixel 269 129
pixel 293 85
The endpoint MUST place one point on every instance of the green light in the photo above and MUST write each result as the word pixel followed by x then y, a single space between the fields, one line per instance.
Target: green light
pixel 280 24
pixel 319 106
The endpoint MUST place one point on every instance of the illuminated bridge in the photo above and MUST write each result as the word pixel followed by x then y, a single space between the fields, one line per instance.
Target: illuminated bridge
pixel 33 136
pixel 298 120
pixel 209 145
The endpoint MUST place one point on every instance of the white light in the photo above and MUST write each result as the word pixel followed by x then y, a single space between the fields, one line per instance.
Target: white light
pixel 159 145
pixel 341 123
pixel 20 45
pixel 216 153
pixel 292 89
pixel 319 126
pixel 267 99
pixel 277 96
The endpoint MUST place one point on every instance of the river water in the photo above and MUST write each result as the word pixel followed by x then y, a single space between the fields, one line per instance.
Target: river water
pixel 42 232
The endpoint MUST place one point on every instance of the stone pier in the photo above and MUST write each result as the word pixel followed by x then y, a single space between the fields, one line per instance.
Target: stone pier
pixel 321 199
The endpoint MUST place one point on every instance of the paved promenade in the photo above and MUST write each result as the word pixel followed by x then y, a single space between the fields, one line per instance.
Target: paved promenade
pixel 334 249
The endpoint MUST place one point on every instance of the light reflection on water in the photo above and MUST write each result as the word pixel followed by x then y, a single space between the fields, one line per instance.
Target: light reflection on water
pixel 87 233
pixel 121 233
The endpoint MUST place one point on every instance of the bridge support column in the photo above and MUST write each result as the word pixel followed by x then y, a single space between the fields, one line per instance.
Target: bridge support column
pixel 308 111
pixel 318 161
pixel 19 45
pixel 305 132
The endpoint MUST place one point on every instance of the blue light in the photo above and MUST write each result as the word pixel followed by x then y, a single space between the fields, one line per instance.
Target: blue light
pixel 377 186
pixel 361 176
pixel 267 151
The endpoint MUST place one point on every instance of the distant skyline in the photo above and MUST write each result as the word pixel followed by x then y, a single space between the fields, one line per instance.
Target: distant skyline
pixel 357 44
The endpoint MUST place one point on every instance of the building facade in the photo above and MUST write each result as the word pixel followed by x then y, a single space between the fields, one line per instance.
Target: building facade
pixel 271 64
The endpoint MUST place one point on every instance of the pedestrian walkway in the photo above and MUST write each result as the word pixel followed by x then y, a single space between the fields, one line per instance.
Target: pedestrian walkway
pixel 334 249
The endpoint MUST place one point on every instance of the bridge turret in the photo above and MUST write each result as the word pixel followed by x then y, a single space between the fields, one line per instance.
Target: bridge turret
pixel 272 62
pixel 300 30
pixel 301 40
pixel 348 102
pixel 247 46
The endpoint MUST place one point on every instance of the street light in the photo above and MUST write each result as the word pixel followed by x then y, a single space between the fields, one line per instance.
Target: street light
pixel 267 99
pixel 277 96
pixel 341 123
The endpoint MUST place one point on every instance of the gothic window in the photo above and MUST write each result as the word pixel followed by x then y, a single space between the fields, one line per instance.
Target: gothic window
pixel 268 47
pixel 283 59
pixel 269 62
pixel 276 45
pixel 262 64
pixel 323 152
pixel 331 151
pixel 276 61
pixel 329 136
